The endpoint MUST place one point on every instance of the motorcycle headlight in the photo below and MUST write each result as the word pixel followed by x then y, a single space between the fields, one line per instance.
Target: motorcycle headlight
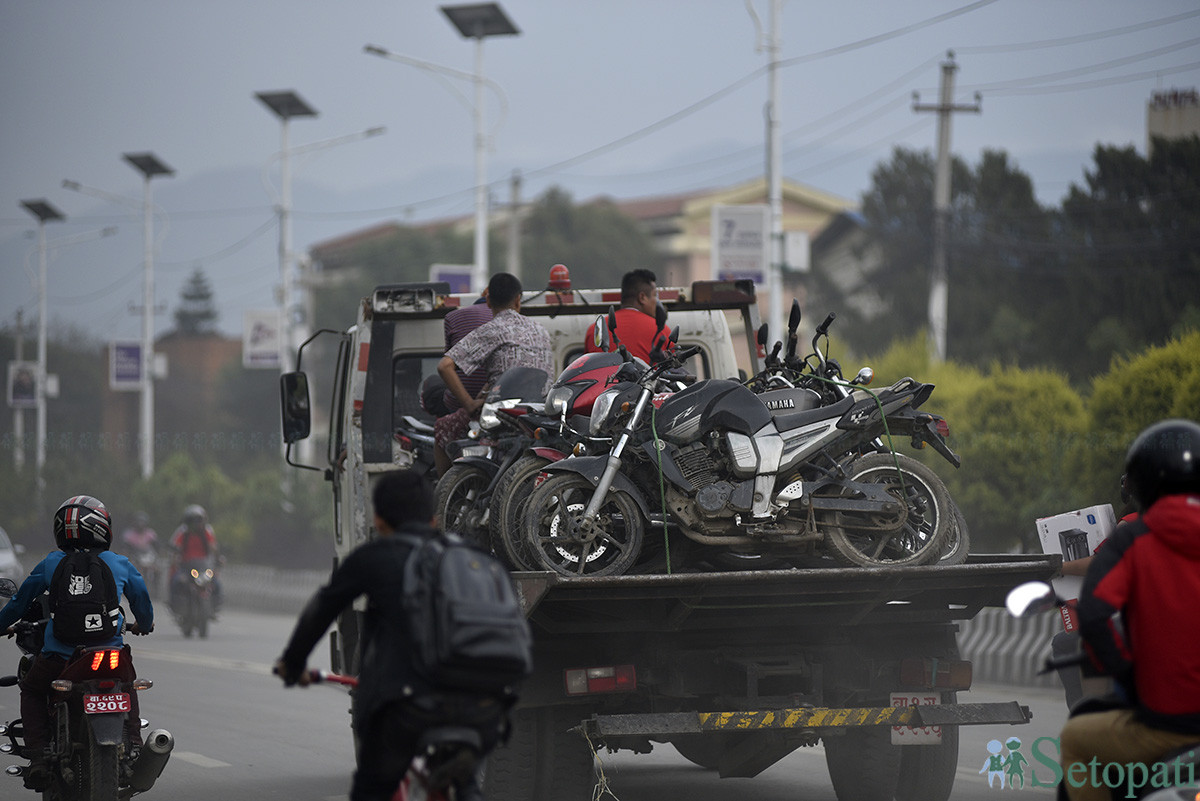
pixel 558 399
pixel 488 416
pixel 601 408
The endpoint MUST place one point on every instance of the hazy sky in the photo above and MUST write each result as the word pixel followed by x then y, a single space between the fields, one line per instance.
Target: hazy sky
pixel 658 96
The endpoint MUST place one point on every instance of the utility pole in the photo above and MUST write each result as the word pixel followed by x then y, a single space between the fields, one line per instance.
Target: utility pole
pixel 514 226
pixel 19 411
pixel 774 179
pixel 939 285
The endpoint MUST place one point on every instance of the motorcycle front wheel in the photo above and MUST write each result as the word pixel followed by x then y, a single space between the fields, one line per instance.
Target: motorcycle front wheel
pixel 916 535
pixel 460 503
pixel 558 542
pixel 508 510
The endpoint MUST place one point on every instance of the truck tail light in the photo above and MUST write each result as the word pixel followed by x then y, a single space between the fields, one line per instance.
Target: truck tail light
pixel 612 679
pixel 936 674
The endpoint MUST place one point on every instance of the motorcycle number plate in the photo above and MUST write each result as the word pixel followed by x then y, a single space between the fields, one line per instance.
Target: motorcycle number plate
pixel 906 735
pixel 100 704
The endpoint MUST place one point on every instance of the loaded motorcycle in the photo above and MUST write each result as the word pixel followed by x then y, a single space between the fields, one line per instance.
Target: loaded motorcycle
pixel 89 756
pixel 782 473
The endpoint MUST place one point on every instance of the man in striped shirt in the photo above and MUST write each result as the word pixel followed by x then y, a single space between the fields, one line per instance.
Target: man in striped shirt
pixel 508 340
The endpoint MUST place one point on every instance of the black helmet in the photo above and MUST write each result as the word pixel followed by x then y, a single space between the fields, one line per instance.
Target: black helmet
pixel 1163 461
pixel 82 522
pixel 195 518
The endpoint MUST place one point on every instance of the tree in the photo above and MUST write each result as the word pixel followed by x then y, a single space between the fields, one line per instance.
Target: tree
pixel 596 241
pixel 196 314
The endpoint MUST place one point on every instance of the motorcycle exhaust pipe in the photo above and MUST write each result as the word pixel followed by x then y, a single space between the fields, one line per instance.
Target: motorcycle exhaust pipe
pixel 152 760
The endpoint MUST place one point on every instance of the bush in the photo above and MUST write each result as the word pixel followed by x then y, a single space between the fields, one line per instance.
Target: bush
pixel 1137 390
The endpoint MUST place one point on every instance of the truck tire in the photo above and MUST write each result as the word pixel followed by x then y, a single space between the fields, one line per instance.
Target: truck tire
pixel 459 504
pixel 919 534
pixel 927 771
pixel 863 764
pixel 704 750
pixel 543 760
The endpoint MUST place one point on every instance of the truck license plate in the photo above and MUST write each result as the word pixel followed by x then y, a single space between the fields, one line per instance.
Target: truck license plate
pixel 906 735
pixel 100 704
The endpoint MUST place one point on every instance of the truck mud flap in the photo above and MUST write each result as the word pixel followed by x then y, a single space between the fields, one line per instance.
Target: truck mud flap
pixel 815 719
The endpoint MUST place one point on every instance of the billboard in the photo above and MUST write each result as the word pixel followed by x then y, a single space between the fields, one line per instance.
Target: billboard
pixel 125 365
pixel 22 385
pixel 740 239
pixel 261 337
pixel 458 276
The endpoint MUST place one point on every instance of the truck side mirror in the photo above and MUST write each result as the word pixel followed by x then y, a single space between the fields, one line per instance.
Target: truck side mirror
pixel 297 414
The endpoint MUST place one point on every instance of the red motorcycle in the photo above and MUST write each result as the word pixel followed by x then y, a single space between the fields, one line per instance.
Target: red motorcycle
pixel 447 754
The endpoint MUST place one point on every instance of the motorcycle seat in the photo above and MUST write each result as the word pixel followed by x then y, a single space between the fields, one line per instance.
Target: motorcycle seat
pixel 792 420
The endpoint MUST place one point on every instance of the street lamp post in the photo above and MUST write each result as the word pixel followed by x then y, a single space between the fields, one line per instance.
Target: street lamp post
pixel 45 213
pixel 149 166
pixel 285 105
pixel 477 21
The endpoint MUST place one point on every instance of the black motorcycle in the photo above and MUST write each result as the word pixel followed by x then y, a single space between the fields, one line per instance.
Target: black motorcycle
pixel 783 473
pixel 89 756
pixel 193 596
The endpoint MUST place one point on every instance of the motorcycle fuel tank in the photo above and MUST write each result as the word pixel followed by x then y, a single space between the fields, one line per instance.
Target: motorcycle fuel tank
pixel 785 401
pixel 708 405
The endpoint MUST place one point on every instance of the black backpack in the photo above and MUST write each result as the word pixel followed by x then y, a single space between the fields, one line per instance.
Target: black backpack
pixel 84 604
pixel 469 631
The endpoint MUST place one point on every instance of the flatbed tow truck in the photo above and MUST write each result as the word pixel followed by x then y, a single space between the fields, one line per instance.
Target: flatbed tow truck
pixel 734 669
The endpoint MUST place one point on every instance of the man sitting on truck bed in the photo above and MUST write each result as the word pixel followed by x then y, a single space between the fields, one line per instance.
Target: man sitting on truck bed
pixel 636 326
pixel 508 340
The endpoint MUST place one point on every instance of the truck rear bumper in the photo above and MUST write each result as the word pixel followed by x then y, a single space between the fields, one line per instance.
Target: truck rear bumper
pixel 814 719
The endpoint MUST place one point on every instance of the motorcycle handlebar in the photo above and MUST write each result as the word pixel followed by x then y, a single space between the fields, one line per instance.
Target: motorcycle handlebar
pixel 324 676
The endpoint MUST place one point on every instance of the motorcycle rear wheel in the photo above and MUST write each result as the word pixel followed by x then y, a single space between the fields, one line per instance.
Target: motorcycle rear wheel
pixel 918 536
pixel 550 526
pixel 460 505
pixel 102 772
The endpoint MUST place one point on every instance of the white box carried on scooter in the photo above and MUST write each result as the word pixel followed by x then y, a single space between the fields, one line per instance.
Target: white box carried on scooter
pixel 1075 535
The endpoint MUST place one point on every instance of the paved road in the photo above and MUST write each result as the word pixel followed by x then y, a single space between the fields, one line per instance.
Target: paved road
pixel 241 736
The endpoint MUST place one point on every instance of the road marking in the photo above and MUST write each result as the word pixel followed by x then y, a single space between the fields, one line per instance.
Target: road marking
pixel 260 668
pixel 200 760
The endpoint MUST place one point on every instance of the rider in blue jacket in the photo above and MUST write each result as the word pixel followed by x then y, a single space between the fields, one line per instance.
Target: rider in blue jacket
pixel 82 522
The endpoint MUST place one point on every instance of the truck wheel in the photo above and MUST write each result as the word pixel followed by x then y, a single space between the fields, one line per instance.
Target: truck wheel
pixel 704 750
pixel 863 764
pixel 508 508
pixel 927 771
pixel 551 528
pixel 916 535
pixel 543 760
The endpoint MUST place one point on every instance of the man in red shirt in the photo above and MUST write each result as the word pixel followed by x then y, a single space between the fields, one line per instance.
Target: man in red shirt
pixel 193 541
pixel 636 326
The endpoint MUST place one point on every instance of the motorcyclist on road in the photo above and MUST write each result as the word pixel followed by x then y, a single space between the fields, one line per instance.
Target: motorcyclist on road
pixel 141 546
pixel 392 706
pixel 1148 576
pixel 81 522
pixel 194 540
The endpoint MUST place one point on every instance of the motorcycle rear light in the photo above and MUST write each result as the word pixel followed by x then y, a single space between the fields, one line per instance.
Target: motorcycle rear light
pixel 406 443
pixel 112 657
pixel 611 679
pixel 62 685
pixel 107 684
pixel 943 428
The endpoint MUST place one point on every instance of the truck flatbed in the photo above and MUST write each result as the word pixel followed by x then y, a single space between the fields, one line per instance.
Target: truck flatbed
pixel 850 596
